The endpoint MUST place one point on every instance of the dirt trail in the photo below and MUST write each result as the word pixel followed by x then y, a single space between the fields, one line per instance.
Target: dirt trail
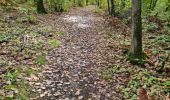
pixel 72 72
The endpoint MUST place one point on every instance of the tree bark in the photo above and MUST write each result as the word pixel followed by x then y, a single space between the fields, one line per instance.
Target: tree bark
pixel 136 44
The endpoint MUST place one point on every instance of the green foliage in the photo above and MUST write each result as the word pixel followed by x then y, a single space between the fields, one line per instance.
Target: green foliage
pixel 16 85
pixel 120 7
pixel 41 59
pixel 163 42
pixel 81 3
pixel 31 19
pixel 164 39
pixel 98 10
pixel 23 10
pixel 6 37
pixel 12 75
pixel 143 78
pixel 109 72
pixel 137 60
pixel 29 71
pixel 150 27
pixel 54 43
pixel 38 45
pixel 59 5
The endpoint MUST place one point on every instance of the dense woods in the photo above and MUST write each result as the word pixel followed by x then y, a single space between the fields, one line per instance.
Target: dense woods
pixel 85 49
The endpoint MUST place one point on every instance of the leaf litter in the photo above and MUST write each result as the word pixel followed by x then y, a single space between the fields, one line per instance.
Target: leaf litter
pixel 88 62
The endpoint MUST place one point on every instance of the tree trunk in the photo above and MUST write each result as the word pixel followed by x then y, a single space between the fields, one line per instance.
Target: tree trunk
pixel 136 44
pixel 40 7
pixel 108 5
pixel 87 2
pixel 98 3
pixel 112 7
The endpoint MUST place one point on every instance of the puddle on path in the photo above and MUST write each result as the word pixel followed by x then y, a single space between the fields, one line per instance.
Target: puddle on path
pixel 79 21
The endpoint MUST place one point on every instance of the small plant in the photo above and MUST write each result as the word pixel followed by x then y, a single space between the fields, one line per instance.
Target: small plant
pixel 31 19
pixel 114 69
pixel 38 45
pixel 162 39
pixel 54 43
pixel 16 86
pixel 29 71
pixel 150 26
pixel 23 10
pixel 12 75
pixel 41 59
pixel 4 38
pixel 3 63
pixel 106 74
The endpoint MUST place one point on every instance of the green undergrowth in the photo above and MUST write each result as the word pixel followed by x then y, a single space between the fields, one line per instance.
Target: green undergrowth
pixel 54 43
pixel 159 50
pixel 154 77
pixel 151 73
pixel 156 84
pixel 108 73
pixel 41 59
pixel 24 45
pixel 15 86
pixel 98 10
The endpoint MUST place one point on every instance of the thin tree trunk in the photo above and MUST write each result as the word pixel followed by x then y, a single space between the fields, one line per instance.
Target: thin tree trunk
pixel 136 44
pixel 87 2
pixel 112 7
pixel 40 7
pixel 108 3
pixel 98 3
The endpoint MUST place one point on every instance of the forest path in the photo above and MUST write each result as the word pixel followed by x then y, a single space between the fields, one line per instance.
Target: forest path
pixel 73 69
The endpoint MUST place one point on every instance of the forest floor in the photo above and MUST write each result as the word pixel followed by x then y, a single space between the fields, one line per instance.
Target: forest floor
pixel 73 69
pixel 76 55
